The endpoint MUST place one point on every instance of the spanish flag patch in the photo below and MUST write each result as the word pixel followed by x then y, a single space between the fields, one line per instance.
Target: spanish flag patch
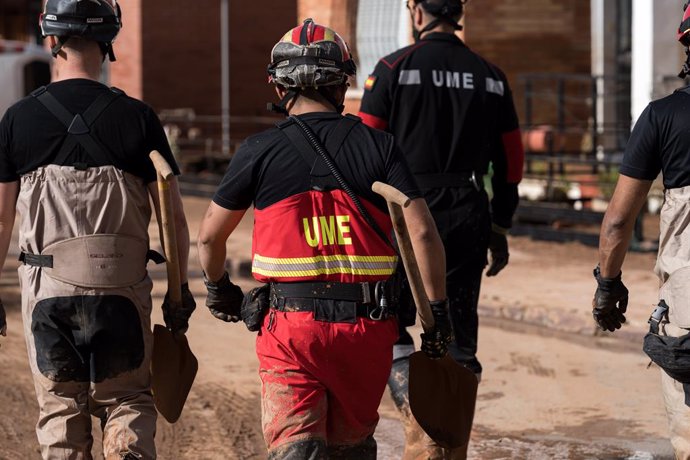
pixel 370 82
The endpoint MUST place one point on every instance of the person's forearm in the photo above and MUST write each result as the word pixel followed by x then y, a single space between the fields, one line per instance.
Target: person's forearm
pixel 619 220
pixel 216 227
pixel 428 249
pixel 181 230
pixel 212 255
pixel 504 203
pixel 614 241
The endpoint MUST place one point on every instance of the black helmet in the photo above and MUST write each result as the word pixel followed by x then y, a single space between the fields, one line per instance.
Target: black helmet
pixel 448 11
pixel 97 20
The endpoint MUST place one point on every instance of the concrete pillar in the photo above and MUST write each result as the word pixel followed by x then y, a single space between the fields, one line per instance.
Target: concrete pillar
pixel 604 15
pixel 656 55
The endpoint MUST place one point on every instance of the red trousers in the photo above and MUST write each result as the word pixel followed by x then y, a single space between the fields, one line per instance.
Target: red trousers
pixel 322 381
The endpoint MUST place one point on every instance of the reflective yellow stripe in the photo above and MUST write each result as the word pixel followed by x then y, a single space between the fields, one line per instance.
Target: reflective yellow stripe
pixel 337 257
pixel 324 265
pixel 322 271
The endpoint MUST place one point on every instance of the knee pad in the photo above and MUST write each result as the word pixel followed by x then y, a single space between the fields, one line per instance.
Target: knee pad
pixel 87 338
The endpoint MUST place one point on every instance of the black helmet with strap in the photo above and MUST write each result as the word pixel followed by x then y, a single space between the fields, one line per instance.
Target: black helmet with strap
pixel 97 20
pixel 448 11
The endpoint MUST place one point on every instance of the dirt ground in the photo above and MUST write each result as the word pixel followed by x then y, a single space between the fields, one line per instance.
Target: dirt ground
pixel 552 387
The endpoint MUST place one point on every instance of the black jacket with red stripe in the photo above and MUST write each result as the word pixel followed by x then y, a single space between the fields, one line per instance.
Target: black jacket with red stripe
pixel 451 112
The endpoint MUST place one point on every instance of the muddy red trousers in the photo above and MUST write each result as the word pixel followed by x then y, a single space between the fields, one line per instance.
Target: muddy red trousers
pixel 322 384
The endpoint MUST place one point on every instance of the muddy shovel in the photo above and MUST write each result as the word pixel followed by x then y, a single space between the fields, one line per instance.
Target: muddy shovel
pixel 173 365
pixel 442 392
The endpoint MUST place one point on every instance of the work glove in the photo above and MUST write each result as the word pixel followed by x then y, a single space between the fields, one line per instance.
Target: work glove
pixel 498 246
pixel 176 317
pixel 610 302
pixel 254 304
pixel 435 342
pixel 224 299
pixel 3 320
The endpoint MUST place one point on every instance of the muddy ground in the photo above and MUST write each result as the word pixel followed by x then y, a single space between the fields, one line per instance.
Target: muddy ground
pixel 547 392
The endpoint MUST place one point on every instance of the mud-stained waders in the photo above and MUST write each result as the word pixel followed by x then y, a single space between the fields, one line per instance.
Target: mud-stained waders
pixel 673 269
pixel 86 296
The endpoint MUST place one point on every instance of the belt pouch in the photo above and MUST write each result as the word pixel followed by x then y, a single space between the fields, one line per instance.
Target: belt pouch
pixel 335 311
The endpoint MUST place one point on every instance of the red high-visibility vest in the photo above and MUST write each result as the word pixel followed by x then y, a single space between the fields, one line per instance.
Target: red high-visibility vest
pixel 320 236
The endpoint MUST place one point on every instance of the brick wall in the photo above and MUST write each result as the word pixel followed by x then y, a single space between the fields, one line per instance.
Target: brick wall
pixel 169 53
pixel 532 36
pixel 126 72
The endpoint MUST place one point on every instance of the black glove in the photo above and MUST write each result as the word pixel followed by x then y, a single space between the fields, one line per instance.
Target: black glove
pixel 254 305
pixel 224 299
pixel 498 245
pixel 3 321
pixel 176 317
pixel 610 302
pixel 435 342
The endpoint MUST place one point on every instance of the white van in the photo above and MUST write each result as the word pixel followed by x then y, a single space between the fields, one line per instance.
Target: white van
pixel 23 68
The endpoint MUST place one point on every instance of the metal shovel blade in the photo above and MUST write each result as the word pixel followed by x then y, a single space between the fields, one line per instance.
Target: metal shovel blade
pixel 173 368
pixel 442 398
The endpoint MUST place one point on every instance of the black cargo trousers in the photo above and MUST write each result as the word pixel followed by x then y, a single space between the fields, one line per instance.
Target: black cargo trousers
pixel 463 219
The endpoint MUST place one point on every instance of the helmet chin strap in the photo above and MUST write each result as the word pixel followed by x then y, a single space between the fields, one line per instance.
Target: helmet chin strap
pixel 685 71
pixel 417 34
pixel 293 93
pixel 281 107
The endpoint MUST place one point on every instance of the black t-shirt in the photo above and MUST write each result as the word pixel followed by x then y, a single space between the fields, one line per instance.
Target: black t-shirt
pixel 451 112
pixel 267 168
pixel 660 142
pixel 128 130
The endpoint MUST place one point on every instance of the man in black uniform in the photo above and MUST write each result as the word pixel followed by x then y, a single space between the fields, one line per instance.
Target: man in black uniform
pixel 452 114
pixel 660 142
pixel 322 240
pixel 74 160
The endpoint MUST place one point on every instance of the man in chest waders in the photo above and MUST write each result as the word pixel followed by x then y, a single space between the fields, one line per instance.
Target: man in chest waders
pixel 74 161
pixel 659 143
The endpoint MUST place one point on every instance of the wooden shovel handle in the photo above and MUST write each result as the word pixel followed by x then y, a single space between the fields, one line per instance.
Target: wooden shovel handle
pixel 396 201
pixel 164 174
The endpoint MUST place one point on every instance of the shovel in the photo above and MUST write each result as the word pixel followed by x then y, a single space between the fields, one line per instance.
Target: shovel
pixel 173 365
pixel 442 392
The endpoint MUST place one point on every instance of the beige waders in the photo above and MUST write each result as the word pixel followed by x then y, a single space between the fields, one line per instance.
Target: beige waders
pixel 673 269
pixel 86 306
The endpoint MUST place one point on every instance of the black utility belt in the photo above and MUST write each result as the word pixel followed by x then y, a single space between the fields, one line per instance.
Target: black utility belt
pixel 334 302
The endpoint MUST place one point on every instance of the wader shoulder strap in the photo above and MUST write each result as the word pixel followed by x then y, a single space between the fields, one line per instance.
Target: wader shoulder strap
pixel 333 145
pixel 79 126
pixel 300 129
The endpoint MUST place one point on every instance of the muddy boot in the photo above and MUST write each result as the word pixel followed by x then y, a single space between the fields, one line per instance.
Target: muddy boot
pixel 398 384
pixel 366 450
pixel 418 445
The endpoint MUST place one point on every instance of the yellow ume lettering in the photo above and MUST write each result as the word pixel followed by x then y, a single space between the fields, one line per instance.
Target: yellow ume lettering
pixel 328 230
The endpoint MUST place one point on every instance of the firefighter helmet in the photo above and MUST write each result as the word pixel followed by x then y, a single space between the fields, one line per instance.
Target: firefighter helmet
pixel 97 20
pixel 311 56
pixel 684 28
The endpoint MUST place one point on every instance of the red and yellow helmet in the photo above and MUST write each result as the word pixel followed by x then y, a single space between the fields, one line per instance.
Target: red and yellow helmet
pixel 310 56
pixel 684 28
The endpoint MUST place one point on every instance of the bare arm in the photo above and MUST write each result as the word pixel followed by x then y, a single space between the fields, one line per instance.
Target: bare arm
pixel 215 229
pixel 181 228
pixel 428 248
pixel 617 227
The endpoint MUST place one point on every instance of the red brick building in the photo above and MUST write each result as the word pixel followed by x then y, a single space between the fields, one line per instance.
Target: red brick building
pixel 169 51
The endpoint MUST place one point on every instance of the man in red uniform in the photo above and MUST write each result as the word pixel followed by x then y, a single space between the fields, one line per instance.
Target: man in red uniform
pixel 322 243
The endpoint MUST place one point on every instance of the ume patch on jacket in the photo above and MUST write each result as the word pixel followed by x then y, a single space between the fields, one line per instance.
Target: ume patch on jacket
pixel 320 236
